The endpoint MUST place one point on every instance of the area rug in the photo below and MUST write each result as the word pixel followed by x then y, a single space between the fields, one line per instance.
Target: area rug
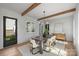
pixel 57 50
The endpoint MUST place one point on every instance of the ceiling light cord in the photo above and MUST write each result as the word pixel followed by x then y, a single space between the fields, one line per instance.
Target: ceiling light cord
pixel 44 13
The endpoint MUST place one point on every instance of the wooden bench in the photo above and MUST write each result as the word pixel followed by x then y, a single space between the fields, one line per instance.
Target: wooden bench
pixel 59 36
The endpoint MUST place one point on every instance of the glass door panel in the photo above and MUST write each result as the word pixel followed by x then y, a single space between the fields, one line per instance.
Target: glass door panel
pixel 10 33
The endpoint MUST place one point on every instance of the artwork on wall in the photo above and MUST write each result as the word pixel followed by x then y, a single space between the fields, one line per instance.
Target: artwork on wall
pixel 30 26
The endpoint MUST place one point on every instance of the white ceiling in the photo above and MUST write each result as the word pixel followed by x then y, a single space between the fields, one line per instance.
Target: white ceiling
pixel 18 7
pixel 50 8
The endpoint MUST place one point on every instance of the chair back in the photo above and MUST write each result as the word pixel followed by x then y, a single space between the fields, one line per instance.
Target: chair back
pixel 53 38
pixel 33 43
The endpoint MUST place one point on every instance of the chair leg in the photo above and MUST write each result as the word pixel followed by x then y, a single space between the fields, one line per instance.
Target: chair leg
pixel 35 52
pixel 54 43
pixel 32 50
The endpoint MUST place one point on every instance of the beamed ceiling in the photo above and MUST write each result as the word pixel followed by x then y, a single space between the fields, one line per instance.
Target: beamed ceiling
pixel 35 10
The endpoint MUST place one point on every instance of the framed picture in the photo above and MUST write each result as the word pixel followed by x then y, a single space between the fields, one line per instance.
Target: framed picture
pixel 30 27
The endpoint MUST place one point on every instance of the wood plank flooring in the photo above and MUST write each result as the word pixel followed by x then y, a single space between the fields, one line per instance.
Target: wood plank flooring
pixel 13 51
pixel 70 49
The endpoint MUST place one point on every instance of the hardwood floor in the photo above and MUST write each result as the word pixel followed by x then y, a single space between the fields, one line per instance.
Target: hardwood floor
pixel 13 51
pixel 70 49
pixel 10 52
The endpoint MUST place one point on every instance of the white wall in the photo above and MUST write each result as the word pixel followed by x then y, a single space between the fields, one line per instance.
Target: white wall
pixel 66 26
pixel 22 35
pixel 76 29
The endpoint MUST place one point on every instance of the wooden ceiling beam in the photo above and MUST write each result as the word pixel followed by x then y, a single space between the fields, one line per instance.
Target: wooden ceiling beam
pixel 34 5
pixel 57 14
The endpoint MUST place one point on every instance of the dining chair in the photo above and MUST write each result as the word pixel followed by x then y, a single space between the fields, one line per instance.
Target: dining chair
pixel 34 46
pixel 50 43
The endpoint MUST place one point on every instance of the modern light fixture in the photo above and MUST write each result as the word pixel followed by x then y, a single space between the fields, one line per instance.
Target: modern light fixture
pixel 44 13
pixel 44 16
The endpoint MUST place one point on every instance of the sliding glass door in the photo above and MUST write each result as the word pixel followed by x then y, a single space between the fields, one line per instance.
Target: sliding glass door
pixel 10 31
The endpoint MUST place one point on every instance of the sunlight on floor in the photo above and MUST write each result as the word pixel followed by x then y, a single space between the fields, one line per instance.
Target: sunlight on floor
pixel 63 42
pixel 60 52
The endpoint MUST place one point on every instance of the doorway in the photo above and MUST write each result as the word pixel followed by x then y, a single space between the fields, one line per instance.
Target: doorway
pixel 9 31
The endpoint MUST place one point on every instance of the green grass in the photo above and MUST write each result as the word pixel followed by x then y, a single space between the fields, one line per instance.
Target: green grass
pixel 10 38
